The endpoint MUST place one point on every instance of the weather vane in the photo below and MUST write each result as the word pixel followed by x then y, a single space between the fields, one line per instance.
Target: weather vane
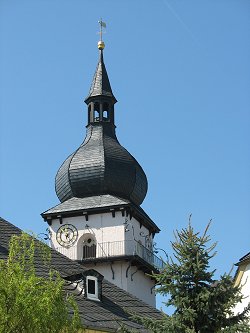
pixel 101 44
pixel 102 25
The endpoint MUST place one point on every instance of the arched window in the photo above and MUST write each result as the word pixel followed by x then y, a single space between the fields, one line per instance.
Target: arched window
pixel 105 113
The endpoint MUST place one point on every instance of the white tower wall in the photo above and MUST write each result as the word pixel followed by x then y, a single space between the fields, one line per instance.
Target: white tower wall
pixel 117 236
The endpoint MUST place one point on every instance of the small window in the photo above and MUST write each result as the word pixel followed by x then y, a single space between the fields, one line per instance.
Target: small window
pixel 92 288
pixel 92 285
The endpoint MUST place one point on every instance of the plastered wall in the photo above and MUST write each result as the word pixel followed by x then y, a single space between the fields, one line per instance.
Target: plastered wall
pixel 244 282
pixel 128 278
pixel 121 232
pixel 104 228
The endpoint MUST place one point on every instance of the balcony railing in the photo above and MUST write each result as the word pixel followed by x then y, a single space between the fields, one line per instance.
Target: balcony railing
pixel 112 250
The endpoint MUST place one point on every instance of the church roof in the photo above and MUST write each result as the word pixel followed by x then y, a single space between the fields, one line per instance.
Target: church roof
pixel 93 202
pixel 110 313
pixel 100 203
pixel 245 258
pixel 101 166
pixel 61 263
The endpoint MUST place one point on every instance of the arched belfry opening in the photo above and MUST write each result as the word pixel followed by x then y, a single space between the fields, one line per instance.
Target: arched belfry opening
pixel 97 112
pixel 100 111
pixel 105 112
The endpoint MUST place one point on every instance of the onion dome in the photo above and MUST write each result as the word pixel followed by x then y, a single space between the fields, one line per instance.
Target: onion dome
pixel 101 165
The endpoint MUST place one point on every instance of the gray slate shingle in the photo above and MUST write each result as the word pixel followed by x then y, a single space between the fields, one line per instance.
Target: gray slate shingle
pixel 100 84
pixel 99 202
pixel 101 166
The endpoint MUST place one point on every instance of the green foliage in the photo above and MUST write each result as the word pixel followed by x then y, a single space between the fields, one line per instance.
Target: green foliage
pixel 29 303
pixel 202 304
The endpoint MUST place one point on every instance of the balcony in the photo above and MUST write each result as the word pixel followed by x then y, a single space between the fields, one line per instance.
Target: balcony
pixel 129 249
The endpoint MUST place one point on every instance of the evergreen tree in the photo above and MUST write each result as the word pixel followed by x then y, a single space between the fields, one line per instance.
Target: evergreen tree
pixel 202 304
pixel 29 303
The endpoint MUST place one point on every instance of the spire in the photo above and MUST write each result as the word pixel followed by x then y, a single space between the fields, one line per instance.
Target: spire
pixel 100 85
pixel 100 99
pixel 101 166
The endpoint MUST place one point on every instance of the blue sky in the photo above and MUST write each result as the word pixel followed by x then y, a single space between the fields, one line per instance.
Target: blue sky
pixel 180 71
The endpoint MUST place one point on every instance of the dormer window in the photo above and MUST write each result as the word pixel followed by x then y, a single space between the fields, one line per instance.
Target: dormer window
pixel 88 283
pixel 92 288
pixel 93 285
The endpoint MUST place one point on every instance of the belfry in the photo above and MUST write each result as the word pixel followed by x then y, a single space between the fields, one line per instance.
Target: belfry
pixel 99 222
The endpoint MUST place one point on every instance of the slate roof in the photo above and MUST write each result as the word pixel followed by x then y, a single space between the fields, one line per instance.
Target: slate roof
pixel 61 263
pixel 77 204
pixel 101 166
pixel 108 314
pixel 100 84
pixel 246 257
pixel 99 203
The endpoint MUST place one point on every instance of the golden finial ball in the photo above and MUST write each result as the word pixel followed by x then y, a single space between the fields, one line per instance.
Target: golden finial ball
pixel 101 45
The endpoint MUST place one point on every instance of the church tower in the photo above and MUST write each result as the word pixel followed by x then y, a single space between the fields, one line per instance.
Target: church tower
pixel 99 221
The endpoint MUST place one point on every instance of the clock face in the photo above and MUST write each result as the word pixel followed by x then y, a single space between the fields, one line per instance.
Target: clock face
pixel 66 235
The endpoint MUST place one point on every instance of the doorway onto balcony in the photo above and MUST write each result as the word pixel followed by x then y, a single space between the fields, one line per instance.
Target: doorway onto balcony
pixel 87 246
